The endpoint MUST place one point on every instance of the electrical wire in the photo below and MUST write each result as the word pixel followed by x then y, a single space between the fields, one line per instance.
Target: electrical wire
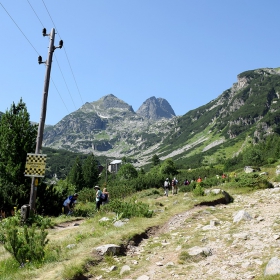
pixel 35 13
pixel 64 80
pixel 19 28
pixel 65 53
pixel 60 96
pixel 57 63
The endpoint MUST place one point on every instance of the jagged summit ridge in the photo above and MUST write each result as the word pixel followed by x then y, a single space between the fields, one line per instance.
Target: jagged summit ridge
pixel 156 108
pixel 107 103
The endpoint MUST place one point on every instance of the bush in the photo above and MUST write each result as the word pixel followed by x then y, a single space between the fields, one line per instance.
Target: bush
pixel 252 180
pixel 130 209
pixel 26 244
pixel 187 188
pixel 84 210
pixel 198 191
pixel 87 195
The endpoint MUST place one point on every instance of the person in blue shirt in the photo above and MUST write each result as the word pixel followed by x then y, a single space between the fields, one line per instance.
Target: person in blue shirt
pixel 69 203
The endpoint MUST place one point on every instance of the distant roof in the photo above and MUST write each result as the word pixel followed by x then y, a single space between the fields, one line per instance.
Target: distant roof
pixel 116 161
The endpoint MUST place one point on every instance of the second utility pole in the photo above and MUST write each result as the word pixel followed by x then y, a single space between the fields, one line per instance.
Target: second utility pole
pixel 48 62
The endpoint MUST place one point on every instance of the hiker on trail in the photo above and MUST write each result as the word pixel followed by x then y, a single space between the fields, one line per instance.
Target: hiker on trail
pixel 166 186
pixel 186 182
pixel 199 180
pixel 105 198
pixel 69 204
pixel 174 184
pixel 98 198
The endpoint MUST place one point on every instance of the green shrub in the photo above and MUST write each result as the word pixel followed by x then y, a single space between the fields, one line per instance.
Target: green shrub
pixel 198 191
pixel 271 160
pixel 87 195
pixel 130 209
pixel 84 209
pixel 26 244
pixel 187 188
pixel 251 180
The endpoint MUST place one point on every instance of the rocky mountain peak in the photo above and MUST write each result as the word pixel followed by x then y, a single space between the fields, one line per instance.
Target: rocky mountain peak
pixel 107 106
pixel 111 101
pixel 156 108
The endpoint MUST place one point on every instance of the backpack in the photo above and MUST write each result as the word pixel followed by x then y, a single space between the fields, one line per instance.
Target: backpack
pixel 174 183
pixel 103 197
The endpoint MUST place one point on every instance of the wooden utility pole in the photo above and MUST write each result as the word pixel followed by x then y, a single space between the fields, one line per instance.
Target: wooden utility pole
pixel 48 62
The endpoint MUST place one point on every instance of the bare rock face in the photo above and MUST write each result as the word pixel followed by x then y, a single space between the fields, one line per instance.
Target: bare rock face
pixel 155 109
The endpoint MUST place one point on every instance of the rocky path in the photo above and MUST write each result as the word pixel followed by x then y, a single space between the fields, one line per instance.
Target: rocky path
pixel 232 249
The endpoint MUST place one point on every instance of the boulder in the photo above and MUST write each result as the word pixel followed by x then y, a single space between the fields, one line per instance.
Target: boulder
pixel 196 250
pixel 251 169
pixel 108 249
pixel 273 267
pixel 124 269
pixel 242 215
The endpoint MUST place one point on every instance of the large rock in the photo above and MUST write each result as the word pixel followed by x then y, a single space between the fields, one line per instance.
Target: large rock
pixel 273 267
pixel 196 251
pixel 108 249
pixel 242 215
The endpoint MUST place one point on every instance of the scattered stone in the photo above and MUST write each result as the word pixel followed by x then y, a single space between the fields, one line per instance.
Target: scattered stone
pixel 241 235
pixel 214 223
pixel 273 267
pixel 209 227
pixel 108 249
pixel 143 277
pixel 196 250
pixel 260 219
pixel 178 248
pixel 113 268
pixel 104 219
pixel 71 246
pixel 124 269
pixel 242 215
pixel 119 223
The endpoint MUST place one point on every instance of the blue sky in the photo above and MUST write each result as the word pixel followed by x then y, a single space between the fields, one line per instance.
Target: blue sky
pixel 186 51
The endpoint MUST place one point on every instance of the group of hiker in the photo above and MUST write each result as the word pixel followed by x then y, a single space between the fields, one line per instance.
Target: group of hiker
pixel 101 198
pixel 174 184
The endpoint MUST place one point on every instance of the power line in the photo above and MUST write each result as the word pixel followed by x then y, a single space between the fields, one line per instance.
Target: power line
pixel 19 28
pixel 51 18
pixel 64 81
pixel 56 60
pixel 35 13
pixel 73 75
pixel 60 95
pixel 65 53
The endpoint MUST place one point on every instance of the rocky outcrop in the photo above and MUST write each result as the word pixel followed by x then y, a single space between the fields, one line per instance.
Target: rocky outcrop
pixel 155 109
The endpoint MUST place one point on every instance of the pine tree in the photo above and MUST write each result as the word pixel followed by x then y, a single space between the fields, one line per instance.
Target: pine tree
pixel 17 138
pixel 155 160
pixel 75 176
pixel 90 172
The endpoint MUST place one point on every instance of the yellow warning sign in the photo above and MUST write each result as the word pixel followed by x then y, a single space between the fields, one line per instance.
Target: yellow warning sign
pixel 35 165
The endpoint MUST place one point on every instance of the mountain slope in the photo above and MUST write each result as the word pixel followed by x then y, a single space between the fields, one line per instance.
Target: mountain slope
pixel 250 107
pixel 108 125
pixel 218 129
